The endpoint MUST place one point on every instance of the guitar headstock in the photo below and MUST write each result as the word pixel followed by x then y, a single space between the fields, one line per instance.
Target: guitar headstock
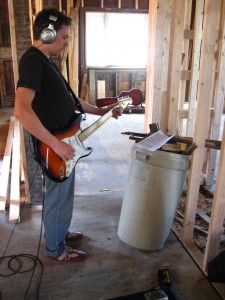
pixel 124 101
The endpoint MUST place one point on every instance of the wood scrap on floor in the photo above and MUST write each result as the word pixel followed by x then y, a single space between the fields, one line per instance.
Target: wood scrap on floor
pixel 11 173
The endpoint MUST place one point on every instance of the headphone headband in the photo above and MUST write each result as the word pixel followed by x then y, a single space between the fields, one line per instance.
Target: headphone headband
pixel 52 18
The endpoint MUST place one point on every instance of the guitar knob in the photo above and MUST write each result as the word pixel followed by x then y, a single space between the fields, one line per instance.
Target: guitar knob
pixel 61 172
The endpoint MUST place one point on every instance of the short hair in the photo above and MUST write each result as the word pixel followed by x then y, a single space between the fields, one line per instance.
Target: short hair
pixel 42 21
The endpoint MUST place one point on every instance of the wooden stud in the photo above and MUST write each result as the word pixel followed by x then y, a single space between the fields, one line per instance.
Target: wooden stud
pixel 158 111
pixel 13 41
pixel 182 114
pixel 31 20
pixel 219 97
pixel 188 34
pixel 185 73
pixel 83 85
pixel 24 163
pixel 60 5
pixel 73 50
pixel 218 211
pixel 14 209
pixel 211 13
pixel 4 178
pixel 38 6
pixel 176 41
pixel 69 6
pixel 192 97
pixel 136 4
pixel 150 66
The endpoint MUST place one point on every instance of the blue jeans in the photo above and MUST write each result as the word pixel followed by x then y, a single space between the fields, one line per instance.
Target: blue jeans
pixel 57 213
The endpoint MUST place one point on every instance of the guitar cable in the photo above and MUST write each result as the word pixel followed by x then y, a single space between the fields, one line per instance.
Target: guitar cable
pixel 15 262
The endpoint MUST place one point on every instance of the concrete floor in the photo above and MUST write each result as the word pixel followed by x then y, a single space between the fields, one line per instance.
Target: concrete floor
pixel 113 268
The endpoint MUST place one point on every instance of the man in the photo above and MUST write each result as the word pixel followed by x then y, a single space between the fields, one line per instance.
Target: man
pixel 44 105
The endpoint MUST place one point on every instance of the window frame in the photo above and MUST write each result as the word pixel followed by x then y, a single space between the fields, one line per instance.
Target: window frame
pixel 82 29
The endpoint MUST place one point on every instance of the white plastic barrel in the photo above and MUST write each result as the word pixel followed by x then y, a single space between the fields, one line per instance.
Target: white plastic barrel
pixel 152 193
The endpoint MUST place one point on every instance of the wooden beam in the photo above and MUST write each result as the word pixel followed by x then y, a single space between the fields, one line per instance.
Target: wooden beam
pixel 5 171
pixel 14 209
pixel 74 50
pixel 69 6
pixel 136 4
pixel 185 73
pixel 5 53
pixel 38 6
pixel 182 114
pixel 219 97
pixel 60 5
pixel 218 211
pixel 24 163
pixel 188 34
pixel 13 41
pixel 192 96
pixel 150 67
pixel 176 42
pixel 209 40
pixel 158 108
pixel 83 85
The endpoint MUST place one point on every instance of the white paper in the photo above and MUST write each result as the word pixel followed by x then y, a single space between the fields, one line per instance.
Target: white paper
pixel 154 141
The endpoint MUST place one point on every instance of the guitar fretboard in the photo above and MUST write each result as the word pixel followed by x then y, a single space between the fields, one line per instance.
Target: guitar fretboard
pixel 92 128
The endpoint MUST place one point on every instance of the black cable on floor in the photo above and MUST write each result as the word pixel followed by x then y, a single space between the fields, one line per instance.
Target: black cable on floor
pixel 15 262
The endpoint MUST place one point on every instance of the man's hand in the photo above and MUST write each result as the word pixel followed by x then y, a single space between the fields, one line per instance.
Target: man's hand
pixel 116 110
pixel 63 150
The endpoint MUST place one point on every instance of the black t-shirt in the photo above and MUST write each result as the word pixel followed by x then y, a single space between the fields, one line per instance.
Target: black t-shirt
pixel 53 103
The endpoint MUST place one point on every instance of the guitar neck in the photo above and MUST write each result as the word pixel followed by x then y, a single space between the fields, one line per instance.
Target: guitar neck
pixel 93 127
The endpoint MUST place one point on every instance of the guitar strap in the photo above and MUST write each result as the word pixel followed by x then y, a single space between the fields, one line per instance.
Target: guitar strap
pixel 75 98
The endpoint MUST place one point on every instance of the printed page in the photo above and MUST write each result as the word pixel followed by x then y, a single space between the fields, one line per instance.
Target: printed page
pixel 154 141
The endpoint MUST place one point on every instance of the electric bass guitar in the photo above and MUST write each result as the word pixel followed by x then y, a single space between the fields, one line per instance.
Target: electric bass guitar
pixel 53 166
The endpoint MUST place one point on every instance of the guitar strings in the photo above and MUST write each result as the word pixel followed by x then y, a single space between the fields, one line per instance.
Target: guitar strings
pixel 15 262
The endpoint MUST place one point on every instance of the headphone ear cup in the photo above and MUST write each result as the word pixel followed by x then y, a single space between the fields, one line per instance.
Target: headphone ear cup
pixel 48 35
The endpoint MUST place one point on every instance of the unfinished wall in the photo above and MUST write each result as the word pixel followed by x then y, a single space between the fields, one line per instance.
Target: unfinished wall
pixel 185 96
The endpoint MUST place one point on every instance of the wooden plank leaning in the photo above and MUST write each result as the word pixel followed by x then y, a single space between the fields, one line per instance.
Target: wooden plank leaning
pixel 14 209
pixel 5 171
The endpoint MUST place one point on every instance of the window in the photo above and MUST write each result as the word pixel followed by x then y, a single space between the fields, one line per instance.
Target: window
pixel 116 40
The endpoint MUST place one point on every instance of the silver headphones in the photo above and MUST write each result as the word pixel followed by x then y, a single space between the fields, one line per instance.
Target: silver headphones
pixel 48 34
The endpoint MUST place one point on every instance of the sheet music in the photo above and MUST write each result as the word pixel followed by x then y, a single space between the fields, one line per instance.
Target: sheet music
pixel 154 141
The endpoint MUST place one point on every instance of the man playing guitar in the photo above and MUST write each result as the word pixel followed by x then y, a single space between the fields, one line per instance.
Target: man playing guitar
pixel 44 105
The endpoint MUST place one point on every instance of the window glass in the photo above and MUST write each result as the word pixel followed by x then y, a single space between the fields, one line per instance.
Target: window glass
pixel 116 40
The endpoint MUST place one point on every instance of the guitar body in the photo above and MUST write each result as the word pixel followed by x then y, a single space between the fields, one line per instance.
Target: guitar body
pixel 54 167
pixel 134 94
